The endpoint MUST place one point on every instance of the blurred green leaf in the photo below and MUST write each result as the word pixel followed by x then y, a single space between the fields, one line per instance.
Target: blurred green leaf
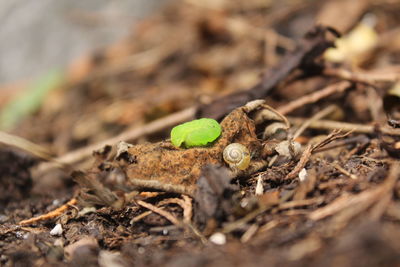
pixel 31 100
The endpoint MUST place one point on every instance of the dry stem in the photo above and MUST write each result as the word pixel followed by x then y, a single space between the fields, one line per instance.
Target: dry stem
pixel 314 97
pixel 50 215
pixel 161 212
pixel 369 77
pixel 128 135
pixel 365 199
pixel 345 126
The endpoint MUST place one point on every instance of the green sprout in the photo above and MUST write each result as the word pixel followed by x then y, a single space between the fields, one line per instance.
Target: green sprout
pixel 195 133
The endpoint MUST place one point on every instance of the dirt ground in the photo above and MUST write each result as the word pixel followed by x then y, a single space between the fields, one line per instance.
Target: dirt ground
pixel 309 88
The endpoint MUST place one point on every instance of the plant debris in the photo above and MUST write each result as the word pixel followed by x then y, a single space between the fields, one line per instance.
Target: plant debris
pixel 321 140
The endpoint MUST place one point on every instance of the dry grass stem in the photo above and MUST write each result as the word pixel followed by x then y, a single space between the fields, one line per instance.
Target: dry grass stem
pixel 50 215
pixel 345 126
pixel 366 198
pixel 369 77
pixel 314 97
pixel 161 212
pixel 319 115
pixel 128 135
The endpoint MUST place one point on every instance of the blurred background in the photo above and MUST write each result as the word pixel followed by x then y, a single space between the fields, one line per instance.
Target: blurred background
pixel 40 35
pixel 78 74
pixel 74 73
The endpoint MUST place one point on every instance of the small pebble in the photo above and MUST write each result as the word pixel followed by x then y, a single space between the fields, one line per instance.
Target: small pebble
pixel 259 186
pixel 57 230
pixel 218 238
pixel 19 234
pixel 59 242
pixel 303 175
pixel 244 203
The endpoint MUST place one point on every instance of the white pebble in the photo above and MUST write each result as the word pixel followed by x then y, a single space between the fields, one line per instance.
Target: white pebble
pixel 218 238
pixel 303 175
pixel 288 149
pixel 57 230
pixel 259 186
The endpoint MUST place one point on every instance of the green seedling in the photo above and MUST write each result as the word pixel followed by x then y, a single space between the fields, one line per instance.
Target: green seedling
pixel 196 133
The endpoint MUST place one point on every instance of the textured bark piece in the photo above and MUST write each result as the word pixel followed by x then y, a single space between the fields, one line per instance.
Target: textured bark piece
pixel 165 167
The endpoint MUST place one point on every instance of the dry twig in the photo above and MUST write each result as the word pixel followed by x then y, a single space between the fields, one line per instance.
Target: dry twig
pixel 185 204
pixel 314 97
pixel 345 126
pixel 128 135
pixel 161 212
pixel 300 165
pixel 140 216
pixel 50 215
pixel 344 171
pixel 310 149
pixel 365 199
pixel 369 77
pixel 319 115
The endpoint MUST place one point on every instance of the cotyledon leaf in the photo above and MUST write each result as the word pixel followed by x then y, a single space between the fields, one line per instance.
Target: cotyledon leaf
pixel 196 133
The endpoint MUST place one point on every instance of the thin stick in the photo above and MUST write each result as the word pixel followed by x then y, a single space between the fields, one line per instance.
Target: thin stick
pixel 26 145
pixel 319 115
pixel 187 209
pixel 161 212
pixel 50 215
pixel 185 204
pixel 140 216
pixel 32 148
pixel 344 171
pixel 229 227
pixel 364 77
pixel 249 233
pixel 314 97
pixel 345 126
pixel 367 198
pixel 128 135
pixel 300 165
pixel 309 150
pixel 298 203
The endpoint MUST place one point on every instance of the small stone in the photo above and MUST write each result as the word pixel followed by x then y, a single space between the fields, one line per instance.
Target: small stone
pixel 259 186
pixel 57 230
pixel 19 234
pixel 303 175
pixel 59 242
pixel 288 149
pixel 218 238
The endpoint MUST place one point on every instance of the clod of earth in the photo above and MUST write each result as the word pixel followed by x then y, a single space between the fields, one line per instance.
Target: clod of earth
pixel 165 167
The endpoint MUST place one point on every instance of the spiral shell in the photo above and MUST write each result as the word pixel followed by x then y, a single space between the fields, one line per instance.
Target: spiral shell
pixel 237 156
pixel 276 130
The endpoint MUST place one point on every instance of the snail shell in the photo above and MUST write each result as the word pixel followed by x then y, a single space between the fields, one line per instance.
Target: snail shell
pixel 276 130
pixel 237 156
